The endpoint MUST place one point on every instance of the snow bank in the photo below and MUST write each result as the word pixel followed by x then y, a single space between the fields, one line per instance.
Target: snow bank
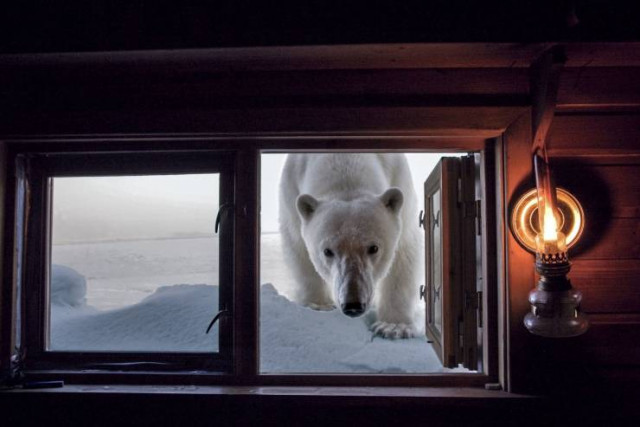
pixel 174 318
pixel 299 339
pixel 68 287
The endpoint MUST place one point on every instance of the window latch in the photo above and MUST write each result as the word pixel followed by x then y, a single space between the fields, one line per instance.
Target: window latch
pixel 223 312
pixel 223 209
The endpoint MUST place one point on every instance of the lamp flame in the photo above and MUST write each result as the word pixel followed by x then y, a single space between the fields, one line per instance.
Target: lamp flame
pixel 550 240
pixel 549 225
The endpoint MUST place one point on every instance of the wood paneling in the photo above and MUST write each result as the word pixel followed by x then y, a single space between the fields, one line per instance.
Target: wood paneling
pixel 598 86
pixel 100 86
pixel 385 90
pixel 596 155
pixel 623 183
pixel 595 152
pixel 606 261
pixel 583 55
pixel 619 240
pixel 610 343
pixel 608 286
pixel 595 135
pixel 605 190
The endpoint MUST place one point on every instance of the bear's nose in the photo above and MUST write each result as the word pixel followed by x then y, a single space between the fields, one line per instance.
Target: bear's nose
pixel 353 309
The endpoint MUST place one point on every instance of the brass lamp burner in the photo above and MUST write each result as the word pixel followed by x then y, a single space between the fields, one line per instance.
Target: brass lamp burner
pixel 525 223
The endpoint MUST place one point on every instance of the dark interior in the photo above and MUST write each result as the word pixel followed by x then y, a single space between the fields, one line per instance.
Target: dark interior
pixel 252 76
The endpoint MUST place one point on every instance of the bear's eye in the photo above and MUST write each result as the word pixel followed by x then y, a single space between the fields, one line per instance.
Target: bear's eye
pixel 328 253
pixel 373 249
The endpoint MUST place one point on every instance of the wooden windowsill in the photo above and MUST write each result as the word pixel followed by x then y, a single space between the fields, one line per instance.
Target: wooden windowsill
pixel 443 393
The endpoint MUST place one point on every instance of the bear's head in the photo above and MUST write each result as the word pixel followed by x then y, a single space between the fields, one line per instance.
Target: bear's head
pixel 352 243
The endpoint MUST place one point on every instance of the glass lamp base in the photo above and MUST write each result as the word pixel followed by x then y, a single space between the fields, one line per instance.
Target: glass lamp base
pixel 556 314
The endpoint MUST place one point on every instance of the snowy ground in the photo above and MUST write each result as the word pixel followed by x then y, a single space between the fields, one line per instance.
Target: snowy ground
pixel 159 295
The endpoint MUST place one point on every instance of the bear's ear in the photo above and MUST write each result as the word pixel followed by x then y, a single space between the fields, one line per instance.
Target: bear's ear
pixel 306 205
pixel 392 199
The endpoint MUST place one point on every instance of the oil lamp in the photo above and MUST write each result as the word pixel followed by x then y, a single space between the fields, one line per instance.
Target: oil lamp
pixel 555 304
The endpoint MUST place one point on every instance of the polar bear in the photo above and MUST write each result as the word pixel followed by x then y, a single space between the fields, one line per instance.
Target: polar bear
pixel 351 238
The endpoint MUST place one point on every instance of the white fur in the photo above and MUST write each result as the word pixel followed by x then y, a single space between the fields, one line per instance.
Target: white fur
pixel 348 203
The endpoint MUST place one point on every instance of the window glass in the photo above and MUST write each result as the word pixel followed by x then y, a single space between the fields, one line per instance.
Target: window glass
pixel 133 263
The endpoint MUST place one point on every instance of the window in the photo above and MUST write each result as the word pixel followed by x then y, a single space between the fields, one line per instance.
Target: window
pixel 185 190
pixel 453 238
pixel 129 259
pixel 298 337
pixel 132 249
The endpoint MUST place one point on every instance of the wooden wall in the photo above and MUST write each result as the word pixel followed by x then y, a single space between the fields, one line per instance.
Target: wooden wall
pixel 438 90
pixel 598 156
pixel 594 144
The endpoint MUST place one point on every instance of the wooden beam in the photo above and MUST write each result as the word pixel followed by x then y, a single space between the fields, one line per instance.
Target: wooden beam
pixel 484 122
pixel 338 57
pixel 332 57
pixel 519 264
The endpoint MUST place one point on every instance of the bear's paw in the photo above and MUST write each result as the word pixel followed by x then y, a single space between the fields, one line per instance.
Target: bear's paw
pixel 393 330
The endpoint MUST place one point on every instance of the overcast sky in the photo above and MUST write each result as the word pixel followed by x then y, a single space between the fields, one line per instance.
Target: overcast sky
pixel 134 207
pixel 167 206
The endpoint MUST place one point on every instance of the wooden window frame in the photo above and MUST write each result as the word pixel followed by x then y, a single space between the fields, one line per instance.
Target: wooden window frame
pixel 34 170
pixel 245 363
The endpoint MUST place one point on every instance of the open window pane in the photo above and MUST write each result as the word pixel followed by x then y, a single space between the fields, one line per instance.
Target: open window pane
pixel 134 263
pixel 297 336
pixel 453 273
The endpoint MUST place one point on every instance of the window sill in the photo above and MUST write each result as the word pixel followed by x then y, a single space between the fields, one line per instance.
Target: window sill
pixel 270 405
pixel 439 393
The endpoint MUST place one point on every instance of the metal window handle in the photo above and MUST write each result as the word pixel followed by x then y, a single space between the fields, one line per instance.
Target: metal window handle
pixel 223 209
pixel 223 312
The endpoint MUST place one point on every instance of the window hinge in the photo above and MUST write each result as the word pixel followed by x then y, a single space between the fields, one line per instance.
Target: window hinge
pixel 461 334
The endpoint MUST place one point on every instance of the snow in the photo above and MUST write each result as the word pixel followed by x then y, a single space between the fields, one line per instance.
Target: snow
pixel 298 339
pixel 68 287
pixel 173 318
pixel 110 292
pixel 293 338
